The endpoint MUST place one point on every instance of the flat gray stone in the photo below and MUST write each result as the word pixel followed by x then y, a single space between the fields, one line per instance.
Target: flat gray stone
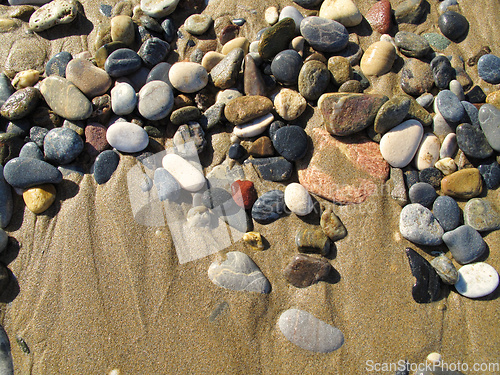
pixel 465 244
pixel 417 224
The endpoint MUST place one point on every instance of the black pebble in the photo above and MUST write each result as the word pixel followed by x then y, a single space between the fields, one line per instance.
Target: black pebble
pixel 476 95
pixel 472 141
pixel 169 30
pixel 105 165
pixel 411 178
pixel 432 176
pixel 56 66
pixel 490 171
pixel 427 285
pixel 453 25
pixel 236 151
pixel 422 193
pixel 442 71
pixel 290 142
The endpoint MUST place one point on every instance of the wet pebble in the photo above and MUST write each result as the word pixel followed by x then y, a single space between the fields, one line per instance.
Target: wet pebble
pixel 418 224
pixel 412 45
pixel 477 280
pixel 122 30
pixel 465 244
pixel 442 71
pixel 463 184
pixel 269 207
pixel 31 150
pixel 62 145
pixel 53 13
pixel 482 215
pixel 127 137
pixel 198 24
pixel 453 25
pixel 489 119
pixel 188 77
pixel 21 103
pixel 304 270
pixel 153 51
pixel 39 198
pixel 244 193
pixel 286 67
pixel 472 141
pixel 427 286
pixel 276 38
pixel 449 106
pixel 324 35
pixel 416 77
pixel 155 100
pixel 422 193
pixel 399 145
pixel 24 173
pixel 312 240
pixel 313 79
pixel 105 165
pixel 445 269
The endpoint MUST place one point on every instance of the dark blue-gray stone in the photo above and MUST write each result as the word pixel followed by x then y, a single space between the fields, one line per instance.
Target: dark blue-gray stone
pixel 427 282
pixel 442 71
pixel 476 95
pixel 21 103
pixel 31 150
pixel 20 127
pixel 239 21
pixel 489 119
pixel 56 66
pixel 105 10
pixel 472 141
pixel 490 171
pixel 37 135
pixel 269 207
pixel 166 185
pixel 324 35
pixel 465 244
pixel 411 44
pixel 471 115
pixel 105 165
pixel 447 212
pixel 26 172
pixel 150 23
pixel 422 193
pixel 411 178
pixel 149 160
pixel 236 151
pixel 68 169
pixel 144 33
pixel 274 127
pixel 6 202
pixel 275 169
pixel 62 145
pixel 488 68
pixel 215 197
pixel 6 88
pixel 307 3
pixel 286 67
pixel 290 142
pixel 358 75
pixel 449 106
pixel 432 176
pixel 153 51
pixel 159 73
pixel 453 25
pixel 211 116
pixel 169 30
pixel 122 62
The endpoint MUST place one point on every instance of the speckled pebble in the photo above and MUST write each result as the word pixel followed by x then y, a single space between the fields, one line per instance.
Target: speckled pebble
pixel 447 212
pixel 482 215
pixel 419 225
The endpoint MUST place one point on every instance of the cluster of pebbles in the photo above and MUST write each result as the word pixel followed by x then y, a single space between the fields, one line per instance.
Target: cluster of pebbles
pixel 88 110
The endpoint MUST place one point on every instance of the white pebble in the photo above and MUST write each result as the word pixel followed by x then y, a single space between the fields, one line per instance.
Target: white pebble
pixel 428 152
pixel 127 137
pixel 298 199
pixel 476 280
pixel 399 145
pixel 254 127
pixel 271 15
pixel 449 146
pixel 188 176
pixel 188 77
pixel 446 165
pixel 123 99
pixel 457 89
pixel 434 358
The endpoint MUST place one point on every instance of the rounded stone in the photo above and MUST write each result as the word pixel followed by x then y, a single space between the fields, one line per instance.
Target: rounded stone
pixel 324 35
pixel 244 193
pixel 378 58
pixel 91 80
pixel 298 200
pixel 489 119
pixel 269 207
pixel 449 146
pixel 442 71
pixel 304 270
pixel 53 13
pixel 344 11
pixel 286 67
pixel 428 152
pixel 243 109
pixel 26 172
pixel 399 145
pixel 450 107
pixel 39 198
pixel 62 145
pixel 289 104
pixel 236 151
pixel 313 79
pixel 158 8
pixel 169 30
pixel 123 99
pixel 417 224
pixel 482 215
pixel 127 137
pixel 332 226
pixel 312 240
pixel 453 25
pixel 488 68
pixel 477 280
pixel 240 42
pixel 6 202
pixel 463 184
pixel 465 244
pixel 391 114
pixel 184 115
pixel 379 16
pixel 291 142
pixel 122 30
pixel 166 185
pixel 105 165
pixel 31 150
pixel 271 15
pixel 293 13
pixel 422 193
pixel 432 176
pixel 276 38
pixel 188 77
pixel 159 73
pixel 153 51
pixel 215 197
pixel 197 24
pixel 122 62
pixel 490 171
pixel 187 175
pixel 95 139
pixel 447 212
pixel 411 44
pixel 26 78
pixel 340 69
pixel 446 271
pixel 225 74
pixel 416 77
pixel 156 100
pixel 254 127
pixel 472 141
pixel 409 11
pixel 20 104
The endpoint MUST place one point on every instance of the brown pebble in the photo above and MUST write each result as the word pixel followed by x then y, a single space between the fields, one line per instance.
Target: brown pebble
pixel 228 33
pixel 316 56
pixel 340 69
pixel 39 198
pixel 247 108
pixel 332 226
pixel 312 240
pixel 182 101
pixel 474 59
pixel 95 139
pixel 262 147
pixel 463 184
pixel 252 78
pixel 22 12
pixel 304 270
pixel 101 109
pixel 379 16
pixel 351 86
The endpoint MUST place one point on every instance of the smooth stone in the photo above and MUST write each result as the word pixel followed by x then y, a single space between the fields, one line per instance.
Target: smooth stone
pixel 477 280
pixel 24 173
pixel 482 215
pixel 103 52
pixel 344 11
pixel 457 89
pixel 465 244
pixel 95 139
pixel 412 45
pixel 419 113
pixel 187 175
pixel 169 30
pixel 443 7
pixel 418 224
pixel 340 69
pixel 313 79
pixel 261 147
pixel 490 171
pixel 62 145
pixel 225 74
pixel 236 151
pixel 6 89
pixel 379 16
pixel 159 73
pixel 197 24
pixel 122 30
pixel 289 104
pixel 489 119
pixel 432 176
pixel 391 114
pixel 449 146
pixel 286 67
pixel 276 38
pixel 416 77
pixel 189 139
pixel 442 71
pixel 105 165
pixel 153 51
pixel 240 42
pixel 304 271
pixel 422 193
pixel 215 197
pixel 410 11
pixel 324 35
pixel 428 152
pixel 398 192
pixel 31 150
pixel 476 95
pixel 437 41
pixel 425 100
pixel 492 98
pixel 472 141
pixel 271 15
pixel 269 207
pixel 453 25
pixel 158 8
pixel 293 13
pixel 445 269
pixel 400 144
pixel 411 177
pixel 188 77
pixel 184 115
pixel 291 142
pixel 122 62
pixel 427 286
pixel 352 86
pixel 463 184
pixel 127 137
pixel 166 185
pixel 4 240
pixel 332 226
pixel 253 82
pixel 155 100
pixel 449 106
pixel 275 169
pixel 441 128
pixel 447 212
pixel 39 198
pixel 21 103
pixel 26 78
pixel 91 80
pixel 6 202
pixel 225 96
pixel 212 116
pixel 228 33
pixel 488 68
pixel 243 109
pixel 123 99
pixel 378 58
pixel 312 240
pixel 53 13
pixel 298 200
pixel 308 332
pixel 244 193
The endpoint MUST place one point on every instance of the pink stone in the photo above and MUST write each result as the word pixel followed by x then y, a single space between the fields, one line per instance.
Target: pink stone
pixel 379 16
pixel 343 170
pixel 95 139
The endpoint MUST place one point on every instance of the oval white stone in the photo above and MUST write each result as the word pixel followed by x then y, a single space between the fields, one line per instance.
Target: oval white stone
pixel 158 8
pixel 399 145
pixel 428 152
pixel 298 199
pixel 190 178
pixel 127 137
pixel 123 99
pixel 254 127
pixel 188 77
pixel 343 11
pixel 308 332
pixel 477 280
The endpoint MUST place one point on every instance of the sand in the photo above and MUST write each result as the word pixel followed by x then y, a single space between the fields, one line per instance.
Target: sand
pixel 94 290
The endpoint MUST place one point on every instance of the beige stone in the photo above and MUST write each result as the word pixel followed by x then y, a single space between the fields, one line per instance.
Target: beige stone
pixel 240 42
pixel 39 198
pixel 122 30
pixel 25 78
pixel 289 104
pixel 378 58
pixel 210 59
pixel 343 11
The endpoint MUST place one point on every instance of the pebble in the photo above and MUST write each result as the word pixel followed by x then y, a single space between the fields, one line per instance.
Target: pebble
pixel 352 85
pixel 155 100
pixel 269 207
pixel 482 215
pixel 490 171
pixel 62 145
pixel 37 134
pixel 425 100
pixel 488 68
pixel 184 115
pixel 447 212
pixel 489 118
pixel 463 184
pixel 416 77
pixel 122 30
pixel 31 150
pixel 298 200
pixel 391 114
pixel 6 202
pixel 449 106
pixel 477 280
pixel 422 193
pixel 476 95
pixel 276 38
pixel 158 8
pixel 240 42
pixel 418 224
pixel 236 151
pixel 39 198
pixel 286 67
pixel 411 177
pixel 243 109
pixel 304 271
pixel 313 79
pixel 398 192
pixel 127 137
pixel 26 78
pixel 289 104
pixel 188 77
pixel 493 98
pixel 465 244
pixel 427 286
pixel 20 104
pixel 379 16
pixel 291 142
pixel 340 69
pixel 293 13
pixel 442 71
pixel 275 169
pixel 153 51
pixel 449 146
pixel 253 82
pixel 324 35
pixel 239 21
pixel 91 80
pixel 215 197
pixel 312 240
pixel 105 165
pixel 18 127
pixel 428 152
pixel 169 30
pixel 103 53
pixel 447 166
pixel 211 59
pixel 472 113
pixel 225 96
pixel 24 173
pixel 197 216
pixel 4 240
pixel 410 11
pixel 244 193
pixel 123 99
pixel 472 141
pixel 95 139
pixel 212 116
pixel 189 139
pixel 122 62
pixel 445 269
pixel 457 89
pixel 453 25
pixel 51 14
pixel 225 74
pixel 411 44
pixel 6 88
pixel 378 58
pixel 437 41
pixel 344 11
pixel 400 144
pixel 261 147
pixel 332 226
pixel 238 272
pixel 308 332
pixel 271 15
pixel 188 176
pixel 198 24
pixel 166 185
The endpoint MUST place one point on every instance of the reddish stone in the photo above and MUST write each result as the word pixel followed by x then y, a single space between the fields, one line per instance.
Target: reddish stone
pixel 244 193
pixel 343 170
pixel 261 147
pixel 379 16
pixel 228 33
pixel 95 139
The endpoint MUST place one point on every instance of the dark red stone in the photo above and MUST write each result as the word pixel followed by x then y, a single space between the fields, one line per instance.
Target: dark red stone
pixel 379 16
pixel 228 33
pixel 244 193
pixel 95 139
pixel 305 270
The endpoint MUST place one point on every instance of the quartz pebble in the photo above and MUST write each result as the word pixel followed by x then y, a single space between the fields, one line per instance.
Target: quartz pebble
pixel 482 215
pixel 428 152
pixel 254 127
pixel 344 11
pixel 25 172
pixel 298 200
pixel 445 269
pixel 188 176
pixel 289 104
pixel 188 77
pixel 427 286
pixel 378 58
pixel 465 244
pixel 308 332
pixel 272 169
pixel 123 99
pixel 39 198
pixel 269 207
pixel 447 166
pixel 53 13
pixel 240 42
pixel 304 270
pixel 271 15
pixel 417 224
pixel 477 280
pixel 291 142
pixel 62 145
pixel 26 78
pixel 127 137
pixel 155 100
pixel 312 240
pixel 158 8
pixel 399 145
pixel 324 35
pixel 238 272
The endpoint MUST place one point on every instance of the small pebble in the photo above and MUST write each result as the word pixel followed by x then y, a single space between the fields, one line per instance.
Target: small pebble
pixel 344 11
pixel 422 193
pixel 446 271
pixel 123 99
pixel 442 71
pixel 155 100
pixel 122 30
pixel 332 226
pixel 254 239
pixel 26 78
pixel 391 114
pixel 269 207
pixel 416 77
pixel 425 100
pixel 212 116
pixel 482 215
pixel 417 224
pixel 398 192
pixel 24 173
pixel 477 280
pixel 122 62
pixel 476 95
pixel 312 240
pixel 412 45
pixel 286 67
pixel 457 89
pixel 291 142
pixel 6 88
pixel 158 8
pixel 379 16
pixel 304 271
pixel 340 69
pixel 169 30
pixel 189 139
pixel 427 286
pixel 298 200
pixel 91 80
pixel 153 51
pixel 399 145
pixel 447 212
pixel 490 171
pixel 240 42
pixel 244 193
pixel 6 202
pixel 437 41
pixel 449 106
pixel 271 15
pixel 465 244
pixel 410 11
pixel 243 109
pixel 236 151
pixel 188 176
pixel 166 185
pixel 261 147
pixel 225 74
pixel 21 103
pixel 449 146
pixel 488 68
pixel 428 152
pixel 39 198
pixel 293 13
pixel 378 58
pixel 127 137
pixel 447 166
pixel 31 150
pixel 472 141
pixel 289 104
pixel 313 79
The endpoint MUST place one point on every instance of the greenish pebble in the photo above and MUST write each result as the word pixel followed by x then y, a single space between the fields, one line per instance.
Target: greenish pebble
pixel 276 38
pixel 153 132
pixel 184 115
pixel 197 24
pixel 102 53
pixel 392 113
pixel 419 113
pixel 312 240
pixel 21 103
pixel 437 41
pixel 22 344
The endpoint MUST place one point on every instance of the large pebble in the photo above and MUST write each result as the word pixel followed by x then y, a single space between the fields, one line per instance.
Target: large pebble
pixel 127 137
pixel 123 99
pixel 276 38
pixel 197 24
pixel 344 11
pixel 445 269
pixel 122 30
pixel 422 193
pixel 308 332
pixel 416 77
pixel 25 172
pixel 105 165
pixel 153 51
pixel 482 215
pixel 291 142
pixel 412 45
pixel 253 81
pixel 166 185
pixel 304 270
pixel 463 184
pixel 298 200
pixel 399 145
pixel 269 207
pixel 379 16
pixel 187 175
pixel 447 212
pixel 289 104
pixel 122 62
pixel 465 244
pixel 488 68
pixel 20 104
pixel 6 202
pixel 62 145
pixel 313 79
pixel 91 80
pixel 453 25
pixel 225 74
pixel 238 272
pixel 391 114
pixel 427 286
pixel 243 109
pixel 489 118
pixel 417 224
pixel 156 100
pixel 378 58
pixel 54 13
pixel 286 67
pixel 272 169
pixel 477 280
pixel 472 141
pixel 188 77
pixel 442 71
pixel 428 152
pixel 158 8
pixel 324 35
pixel 449 106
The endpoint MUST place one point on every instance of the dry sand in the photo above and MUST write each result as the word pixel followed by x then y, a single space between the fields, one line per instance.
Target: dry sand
pixel 98 291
